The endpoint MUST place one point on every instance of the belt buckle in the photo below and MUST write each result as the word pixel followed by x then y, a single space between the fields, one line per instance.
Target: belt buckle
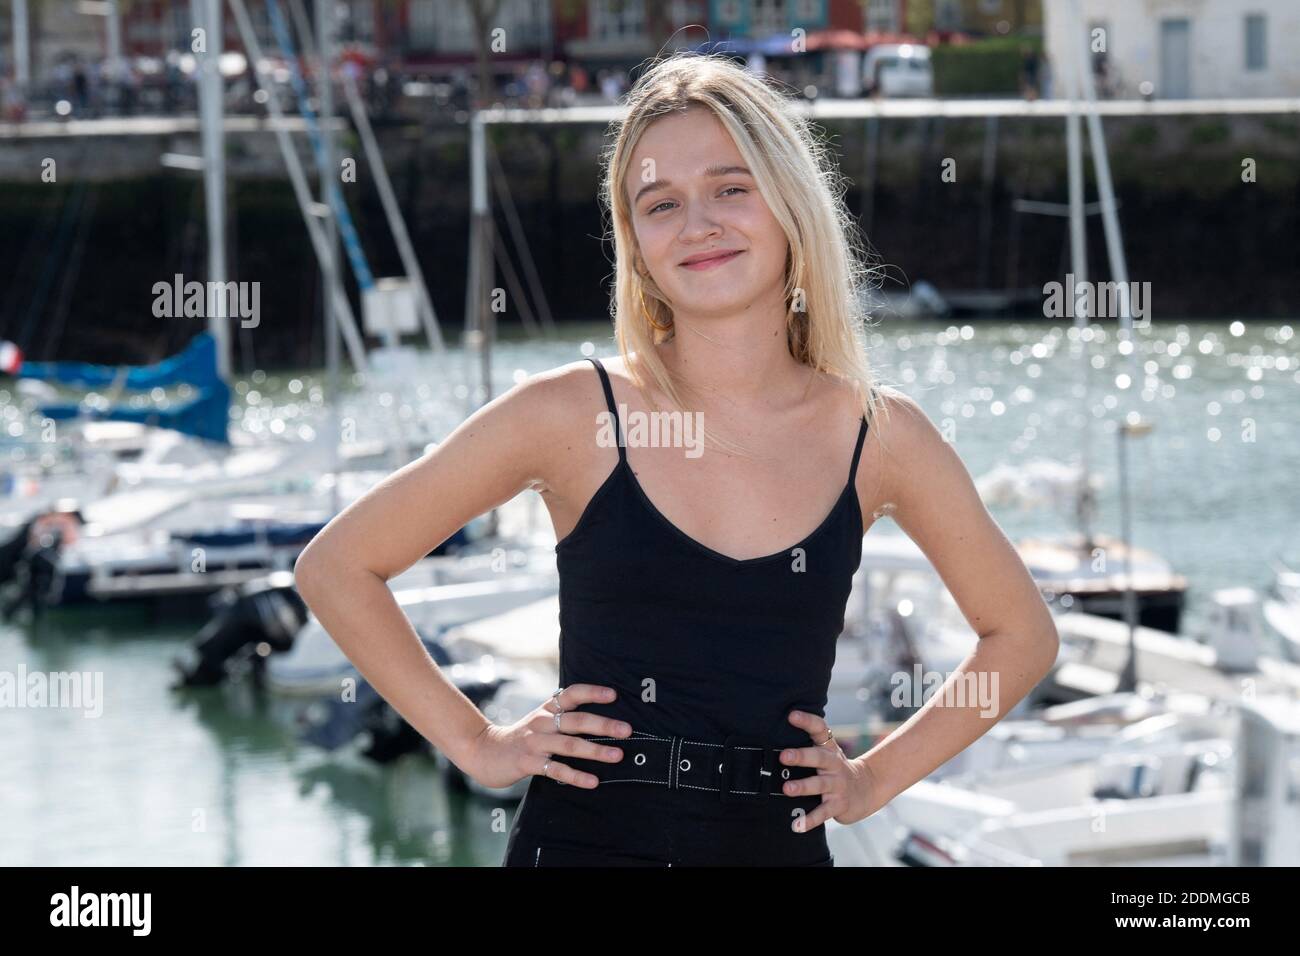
pixel 730 744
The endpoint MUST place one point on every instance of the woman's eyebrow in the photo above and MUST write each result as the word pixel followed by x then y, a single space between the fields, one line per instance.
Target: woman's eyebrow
pixel 713 172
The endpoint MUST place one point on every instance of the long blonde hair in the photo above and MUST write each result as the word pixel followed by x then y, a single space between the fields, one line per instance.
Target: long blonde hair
pixel 827 261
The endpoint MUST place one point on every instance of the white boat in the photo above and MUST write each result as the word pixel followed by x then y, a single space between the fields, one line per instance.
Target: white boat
pixel 187 542
pixel 1158 797
pixel 1156 767
pixel 437 595
pixel 1229 655
pixel 1281 610
pixel 1068 570
pixel 1129 780
pixel 921 301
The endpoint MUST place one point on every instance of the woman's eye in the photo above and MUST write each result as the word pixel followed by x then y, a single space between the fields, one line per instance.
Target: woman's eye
pixel 654 209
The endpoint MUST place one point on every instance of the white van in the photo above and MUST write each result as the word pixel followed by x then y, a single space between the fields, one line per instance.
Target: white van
pixel 898 69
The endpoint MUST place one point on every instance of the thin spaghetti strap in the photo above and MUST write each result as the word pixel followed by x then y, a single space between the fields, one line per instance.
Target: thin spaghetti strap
pixel 862 435
pixel 857 452
pixel 613 408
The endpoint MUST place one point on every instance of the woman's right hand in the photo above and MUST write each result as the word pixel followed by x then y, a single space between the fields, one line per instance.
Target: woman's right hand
pixel 503 755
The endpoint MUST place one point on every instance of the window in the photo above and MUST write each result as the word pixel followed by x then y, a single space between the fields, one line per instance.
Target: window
pixel 688 11
pixel 181 26
pixel 947 15
pixel 1256 45
pixel 769 16
pixel 360 24
pixel 882 15
pixel 808 11
pixel 616 19
pixel 729 12
pixel 455 27
pixel 526 21
pixel 420 26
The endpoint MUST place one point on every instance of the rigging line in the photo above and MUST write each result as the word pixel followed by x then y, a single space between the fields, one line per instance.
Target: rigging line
pixel 49 267
pixel 69 222
pixel 383 185
pixel 59 319
pixel 517 233
pixel 512 280
pixel 187 244
pixel 334 196
pixel 33 249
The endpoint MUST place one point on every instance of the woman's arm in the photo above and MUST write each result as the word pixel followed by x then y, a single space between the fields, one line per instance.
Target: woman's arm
pixel 506 446
pixel 937 505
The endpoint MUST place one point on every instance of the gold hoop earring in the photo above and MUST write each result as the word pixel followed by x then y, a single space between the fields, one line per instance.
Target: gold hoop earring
pixel 646 313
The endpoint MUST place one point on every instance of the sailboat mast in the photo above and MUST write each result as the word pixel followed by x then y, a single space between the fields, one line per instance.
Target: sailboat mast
pixel 329 275
pixel 212 133
pixel 22 49
pixel 1129 421
pixel 478 313
pixel 1079 273
pixel 1105 186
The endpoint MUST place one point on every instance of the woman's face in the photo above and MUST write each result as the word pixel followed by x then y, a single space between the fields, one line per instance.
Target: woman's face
pixel 691 195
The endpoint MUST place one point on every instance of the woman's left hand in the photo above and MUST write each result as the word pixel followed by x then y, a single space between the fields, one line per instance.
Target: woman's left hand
pixel 849 789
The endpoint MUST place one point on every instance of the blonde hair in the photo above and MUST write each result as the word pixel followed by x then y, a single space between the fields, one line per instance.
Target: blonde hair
pixel 827 261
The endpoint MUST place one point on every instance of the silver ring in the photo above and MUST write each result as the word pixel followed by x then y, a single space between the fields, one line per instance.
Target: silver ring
pixel 557 720
pixel 559 708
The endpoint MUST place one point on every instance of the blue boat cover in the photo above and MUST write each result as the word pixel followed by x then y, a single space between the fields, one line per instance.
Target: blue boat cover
pixel 206 416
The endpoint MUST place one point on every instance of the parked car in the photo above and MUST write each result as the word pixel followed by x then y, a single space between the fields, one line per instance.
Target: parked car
pixel 898 69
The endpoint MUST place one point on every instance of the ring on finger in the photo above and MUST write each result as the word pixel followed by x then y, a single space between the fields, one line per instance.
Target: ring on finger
pixel 830 735
pixel 559 708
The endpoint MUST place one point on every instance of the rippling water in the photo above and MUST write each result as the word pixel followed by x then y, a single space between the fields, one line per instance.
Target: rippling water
pixel 217 777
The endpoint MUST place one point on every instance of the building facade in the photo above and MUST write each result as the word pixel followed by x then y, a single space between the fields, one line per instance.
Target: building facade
pixel 1175 49
pixel 436 37
pixel 437 34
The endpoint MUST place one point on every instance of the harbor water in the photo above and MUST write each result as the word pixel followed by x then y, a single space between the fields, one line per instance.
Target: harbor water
pixel 217 776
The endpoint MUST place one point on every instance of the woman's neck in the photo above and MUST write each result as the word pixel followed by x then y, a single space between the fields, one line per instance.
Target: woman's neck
pixel 743 360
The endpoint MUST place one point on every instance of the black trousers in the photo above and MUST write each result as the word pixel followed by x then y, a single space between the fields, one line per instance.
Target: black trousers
pixel 639 824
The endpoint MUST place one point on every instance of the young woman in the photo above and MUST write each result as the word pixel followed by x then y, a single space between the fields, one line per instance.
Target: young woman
pixel 703 586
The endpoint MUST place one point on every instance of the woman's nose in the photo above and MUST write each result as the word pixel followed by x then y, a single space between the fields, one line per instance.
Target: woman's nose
pixel 698 222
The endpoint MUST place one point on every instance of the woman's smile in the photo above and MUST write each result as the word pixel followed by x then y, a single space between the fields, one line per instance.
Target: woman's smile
pixel 712 260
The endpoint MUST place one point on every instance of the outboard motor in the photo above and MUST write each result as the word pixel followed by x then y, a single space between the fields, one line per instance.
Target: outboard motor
pixel 12 550
pixel 31 558
pixel 259 617
pixel 383 732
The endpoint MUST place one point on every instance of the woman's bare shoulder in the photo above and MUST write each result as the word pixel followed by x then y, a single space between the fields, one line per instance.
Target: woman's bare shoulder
pixel 557 398
pixel 920 462
pixel 902 426
pixel 563 404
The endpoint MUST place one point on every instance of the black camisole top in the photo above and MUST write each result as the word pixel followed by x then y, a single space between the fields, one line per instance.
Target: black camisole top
pixel 696 643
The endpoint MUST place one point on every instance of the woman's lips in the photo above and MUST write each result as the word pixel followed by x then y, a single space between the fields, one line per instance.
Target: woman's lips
pixel 711 263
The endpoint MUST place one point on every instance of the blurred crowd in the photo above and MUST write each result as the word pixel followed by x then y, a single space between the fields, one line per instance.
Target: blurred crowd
pixel 90 89
pixel 394 89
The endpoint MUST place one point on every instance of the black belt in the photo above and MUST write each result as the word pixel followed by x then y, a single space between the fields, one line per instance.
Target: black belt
pixel 740 769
